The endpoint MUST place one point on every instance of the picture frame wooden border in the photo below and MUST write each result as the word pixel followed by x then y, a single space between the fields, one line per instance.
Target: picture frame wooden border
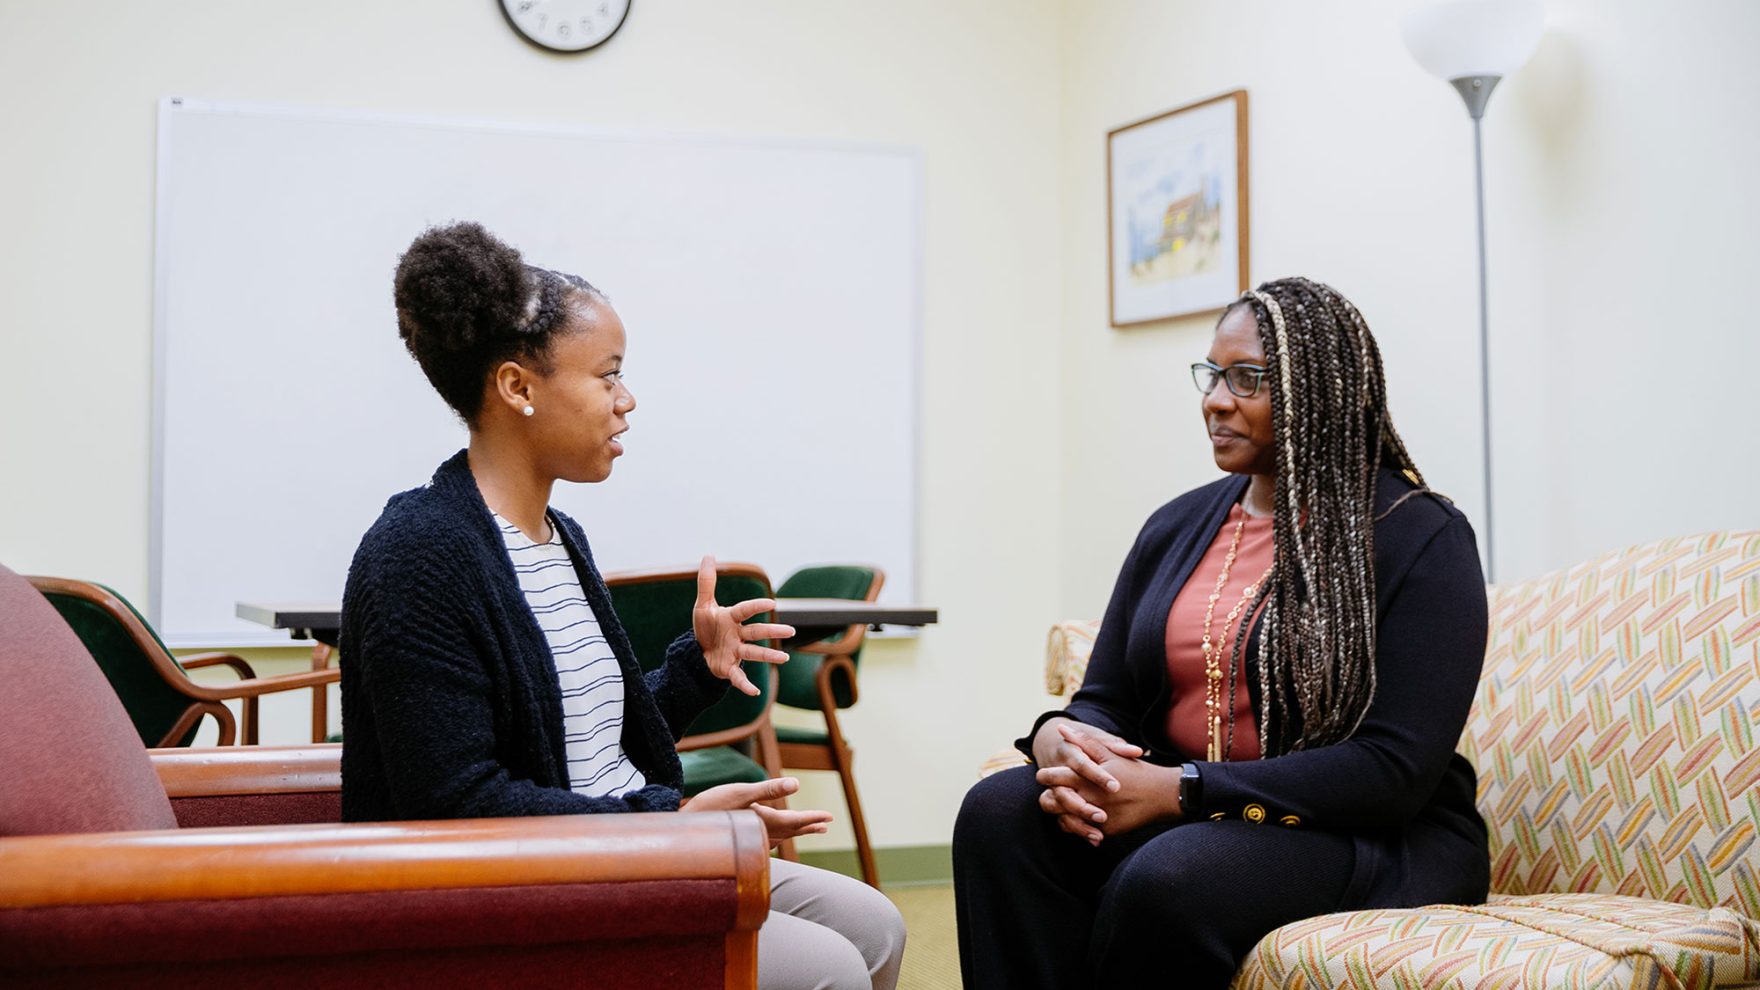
pixel 1214 301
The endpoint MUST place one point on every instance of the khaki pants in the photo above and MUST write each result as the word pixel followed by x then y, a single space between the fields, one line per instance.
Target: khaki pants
pixel 827 931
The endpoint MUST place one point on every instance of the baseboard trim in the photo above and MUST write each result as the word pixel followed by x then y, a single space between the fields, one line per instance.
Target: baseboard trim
pixel 899 866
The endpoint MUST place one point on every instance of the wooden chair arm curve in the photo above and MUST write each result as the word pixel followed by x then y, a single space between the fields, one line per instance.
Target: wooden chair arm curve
pixel 257 686
pixel 239 664
pixel 226 864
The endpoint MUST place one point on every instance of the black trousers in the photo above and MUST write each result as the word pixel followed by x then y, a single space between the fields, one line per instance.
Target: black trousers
pixel 1173 907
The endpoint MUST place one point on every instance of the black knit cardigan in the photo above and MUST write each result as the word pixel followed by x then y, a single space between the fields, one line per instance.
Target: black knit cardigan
pixel 450 700
pixel 1396 786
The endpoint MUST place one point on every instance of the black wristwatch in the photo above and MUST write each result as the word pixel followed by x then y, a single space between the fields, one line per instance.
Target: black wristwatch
pixel 1191 790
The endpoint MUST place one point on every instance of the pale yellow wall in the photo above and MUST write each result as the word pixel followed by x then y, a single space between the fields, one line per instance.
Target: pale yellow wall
pixel 1620 167
pixel 1620 172
pixel 973 84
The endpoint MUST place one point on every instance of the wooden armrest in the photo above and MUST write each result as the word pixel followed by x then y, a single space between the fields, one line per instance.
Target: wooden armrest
pixel 264 685
pixel 199 660
pixel 248 770
pixel 230 864
pixel 527 901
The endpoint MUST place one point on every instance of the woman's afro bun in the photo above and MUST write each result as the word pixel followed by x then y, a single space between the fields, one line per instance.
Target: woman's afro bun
pixel 462 300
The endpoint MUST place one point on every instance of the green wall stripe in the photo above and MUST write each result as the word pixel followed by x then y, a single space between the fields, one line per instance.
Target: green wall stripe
pixel 899 866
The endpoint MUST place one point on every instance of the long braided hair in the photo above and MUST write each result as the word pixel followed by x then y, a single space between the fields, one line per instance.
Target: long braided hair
pixel 1332 434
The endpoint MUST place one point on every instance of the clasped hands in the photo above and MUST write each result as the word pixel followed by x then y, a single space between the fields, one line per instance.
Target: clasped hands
pixel 1099 785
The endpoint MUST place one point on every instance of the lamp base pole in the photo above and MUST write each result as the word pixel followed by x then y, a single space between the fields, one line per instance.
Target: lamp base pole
pixel 1476 90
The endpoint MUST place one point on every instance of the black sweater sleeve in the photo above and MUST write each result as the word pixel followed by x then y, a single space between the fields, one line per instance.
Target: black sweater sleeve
pixel 1430 645
pixel 434 723
pixel 683 687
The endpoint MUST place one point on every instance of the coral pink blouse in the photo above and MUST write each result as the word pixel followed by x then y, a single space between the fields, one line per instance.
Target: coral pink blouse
pixel 1185 635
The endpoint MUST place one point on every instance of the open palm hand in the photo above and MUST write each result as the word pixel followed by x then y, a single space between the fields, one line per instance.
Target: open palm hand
pixel 725 637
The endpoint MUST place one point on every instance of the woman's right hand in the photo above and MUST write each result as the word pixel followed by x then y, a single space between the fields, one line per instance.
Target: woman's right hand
pixel 1081 748
pixel 1077 747
pixel 780 823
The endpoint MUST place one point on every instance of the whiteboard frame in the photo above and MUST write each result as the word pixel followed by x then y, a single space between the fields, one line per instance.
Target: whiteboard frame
pixel 170 106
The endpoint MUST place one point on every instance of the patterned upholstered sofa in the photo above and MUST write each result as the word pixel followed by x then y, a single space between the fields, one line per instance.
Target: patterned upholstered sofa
pixel 1617 737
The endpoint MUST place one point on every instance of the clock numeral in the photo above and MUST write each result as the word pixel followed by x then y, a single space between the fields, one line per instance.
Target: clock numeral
pixel 586 25
pixel 525 6
pixel 563 29
pixel 604 10
pixel 542 18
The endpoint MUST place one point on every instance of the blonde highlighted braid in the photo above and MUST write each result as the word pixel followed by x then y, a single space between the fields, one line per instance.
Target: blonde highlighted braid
pixel 1332 434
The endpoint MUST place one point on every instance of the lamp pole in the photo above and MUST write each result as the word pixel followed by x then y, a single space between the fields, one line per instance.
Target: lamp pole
pixel 1473 44
pixel 1475 91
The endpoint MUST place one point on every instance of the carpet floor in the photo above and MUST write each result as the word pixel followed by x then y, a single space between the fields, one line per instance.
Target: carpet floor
pixel 931 948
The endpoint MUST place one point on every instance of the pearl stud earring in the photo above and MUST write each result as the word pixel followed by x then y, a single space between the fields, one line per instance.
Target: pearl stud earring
pixel 528 410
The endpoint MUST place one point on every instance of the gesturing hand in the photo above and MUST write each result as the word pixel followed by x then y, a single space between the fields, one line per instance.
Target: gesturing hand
pixel 724 637
pixel 780 823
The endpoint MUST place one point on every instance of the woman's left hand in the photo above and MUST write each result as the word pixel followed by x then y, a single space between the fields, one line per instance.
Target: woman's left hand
pixel 780 824
pixel 1147 793
pixel 724 636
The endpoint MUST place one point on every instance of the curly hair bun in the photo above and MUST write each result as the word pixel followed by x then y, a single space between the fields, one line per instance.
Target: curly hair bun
pixel 458 290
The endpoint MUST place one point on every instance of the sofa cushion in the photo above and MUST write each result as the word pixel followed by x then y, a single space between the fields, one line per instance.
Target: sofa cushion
pixel 1615 726
pixel 74 762
pixel 1545 940
pixel 1067 649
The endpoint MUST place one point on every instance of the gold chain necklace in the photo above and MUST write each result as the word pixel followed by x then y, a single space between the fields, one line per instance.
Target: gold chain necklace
pixel 1213 653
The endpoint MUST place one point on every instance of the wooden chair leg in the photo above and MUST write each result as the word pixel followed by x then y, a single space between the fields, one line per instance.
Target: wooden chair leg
pixel 248 721
pixel 320 695
pixel 770 758
pixel 844 760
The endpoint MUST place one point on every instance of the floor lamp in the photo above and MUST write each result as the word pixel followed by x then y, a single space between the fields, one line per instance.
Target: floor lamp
pixel 1472 44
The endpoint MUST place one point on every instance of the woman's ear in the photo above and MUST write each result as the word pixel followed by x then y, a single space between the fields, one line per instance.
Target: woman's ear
pixel 512 386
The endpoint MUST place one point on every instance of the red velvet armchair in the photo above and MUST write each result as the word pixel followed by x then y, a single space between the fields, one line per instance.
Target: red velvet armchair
pixel 120 867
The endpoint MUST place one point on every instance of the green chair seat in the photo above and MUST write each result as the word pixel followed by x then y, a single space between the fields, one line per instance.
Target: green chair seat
pixel 811 737
pixel 706 768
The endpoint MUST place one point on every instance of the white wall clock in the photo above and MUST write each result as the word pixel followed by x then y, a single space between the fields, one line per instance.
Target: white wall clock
pixel 566 25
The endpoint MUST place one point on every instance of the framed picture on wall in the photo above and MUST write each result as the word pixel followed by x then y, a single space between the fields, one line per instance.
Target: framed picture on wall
pixel 1176 191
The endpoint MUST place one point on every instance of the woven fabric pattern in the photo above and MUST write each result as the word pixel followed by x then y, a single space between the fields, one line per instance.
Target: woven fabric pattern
pixel 1614 730
pixel 1586 941
pixel 1067 649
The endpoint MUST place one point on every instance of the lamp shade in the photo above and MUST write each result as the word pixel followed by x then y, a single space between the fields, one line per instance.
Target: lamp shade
pixel 1454 39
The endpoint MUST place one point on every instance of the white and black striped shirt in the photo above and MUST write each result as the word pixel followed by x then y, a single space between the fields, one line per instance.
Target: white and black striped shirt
pixel 592 681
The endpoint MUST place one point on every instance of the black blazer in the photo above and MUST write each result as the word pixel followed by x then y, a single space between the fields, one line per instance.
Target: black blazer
pixel 450 698
pixel 1397 785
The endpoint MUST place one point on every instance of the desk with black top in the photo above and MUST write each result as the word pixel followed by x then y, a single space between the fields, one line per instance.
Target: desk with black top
pixel 813 618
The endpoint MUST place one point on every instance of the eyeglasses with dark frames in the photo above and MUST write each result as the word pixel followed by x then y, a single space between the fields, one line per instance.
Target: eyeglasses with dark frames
pixel 1243 379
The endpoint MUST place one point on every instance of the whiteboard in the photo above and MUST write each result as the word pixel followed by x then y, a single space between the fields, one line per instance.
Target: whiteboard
pixel 771 291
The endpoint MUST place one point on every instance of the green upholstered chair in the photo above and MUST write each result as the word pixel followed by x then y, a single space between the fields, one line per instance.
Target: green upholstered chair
pixel 732 742
pixel 821 677
pixel 154 686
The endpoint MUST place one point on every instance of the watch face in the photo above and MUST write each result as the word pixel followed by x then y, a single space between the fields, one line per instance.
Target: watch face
pixel 566 25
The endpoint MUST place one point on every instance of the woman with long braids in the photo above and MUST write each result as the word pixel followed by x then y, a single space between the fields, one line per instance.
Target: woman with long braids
pixel 1268 724
pixel 487 675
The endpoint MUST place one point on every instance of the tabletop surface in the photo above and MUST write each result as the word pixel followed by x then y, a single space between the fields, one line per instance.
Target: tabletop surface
pixel 794 611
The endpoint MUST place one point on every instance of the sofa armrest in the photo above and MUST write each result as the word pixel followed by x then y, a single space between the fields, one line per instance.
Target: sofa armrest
pixel 454 902
pixel 1067 648
pixel 252 785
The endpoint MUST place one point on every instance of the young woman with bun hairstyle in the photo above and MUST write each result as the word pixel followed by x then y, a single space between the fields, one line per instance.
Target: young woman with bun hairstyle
pixel 486 673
